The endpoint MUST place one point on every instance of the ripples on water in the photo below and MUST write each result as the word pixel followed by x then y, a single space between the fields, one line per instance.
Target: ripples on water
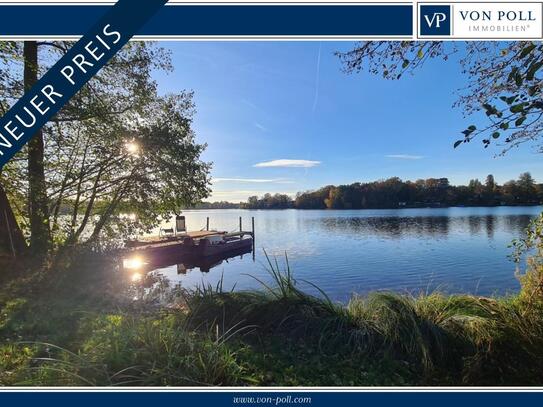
pixel 357 251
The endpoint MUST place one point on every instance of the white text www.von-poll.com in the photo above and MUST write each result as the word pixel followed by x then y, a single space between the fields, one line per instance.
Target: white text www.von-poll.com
pixel 275 401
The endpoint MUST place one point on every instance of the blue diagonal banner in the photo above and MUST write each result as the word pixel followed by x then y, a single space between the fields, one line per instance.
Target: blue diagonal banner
pixel 71 72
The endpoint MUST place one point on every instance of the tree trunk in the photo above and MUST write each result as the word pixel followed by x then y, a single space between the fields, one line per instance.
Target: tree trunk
pixel 12 241
pixel 39 220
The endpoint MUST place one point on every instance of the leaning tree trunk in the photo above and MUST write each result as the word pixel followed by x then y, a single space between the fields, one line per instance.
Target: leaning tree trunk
pixel 38 212
pixel 12 241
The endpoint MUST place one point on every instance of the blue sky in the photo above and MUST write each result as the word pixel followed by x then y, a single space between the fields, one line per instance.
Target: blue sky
pixel 283 117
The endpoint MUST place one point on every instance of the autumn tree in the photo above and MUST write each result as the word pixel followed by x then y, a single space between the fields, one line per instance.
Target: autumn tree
pixel 394 193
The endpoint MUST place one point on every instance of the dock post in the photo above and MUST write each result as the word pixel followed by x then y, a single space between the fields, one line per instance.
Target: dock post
pixel 207 223
pixel 240 225
pixel 253 236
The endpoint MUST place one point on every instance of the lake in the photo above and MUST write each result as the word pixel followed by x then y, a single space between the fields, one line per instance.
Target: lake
pixel 454 250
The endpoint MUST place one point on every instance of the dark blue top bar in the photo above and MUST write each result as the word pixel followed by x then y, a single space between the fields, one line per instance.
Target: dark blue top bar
pixel 220 20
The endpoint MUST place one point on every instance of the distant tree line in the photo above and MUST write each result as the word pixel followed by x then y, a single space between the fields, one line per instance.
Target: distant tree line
pixel 395 193
pixel 269 201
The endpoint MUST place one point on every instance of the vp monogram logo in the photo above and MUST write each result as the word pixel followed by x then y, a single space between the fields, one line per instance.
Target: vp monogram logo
pixel 434 20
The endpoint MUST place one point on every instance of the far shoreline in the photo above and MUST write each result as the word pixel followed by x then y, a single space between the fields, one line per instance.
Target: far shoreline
pixel 366 209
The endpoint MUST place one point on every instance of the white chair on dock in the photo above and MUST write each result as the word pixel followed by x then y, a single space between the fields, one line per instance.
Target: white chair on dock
pixel 180 225
pixel 165 232
pixel 179 229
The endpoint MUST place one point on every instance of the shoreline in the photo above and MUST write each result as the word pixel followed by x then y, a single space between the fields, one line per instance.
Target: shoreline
pixel 73 332
pixel 366 209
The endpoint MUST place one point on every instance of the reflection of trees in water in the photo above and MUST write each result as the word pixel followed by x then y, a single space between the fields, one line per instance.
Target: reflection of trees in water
pixel 475 224
pixel 490 223
pixel 516 224
pixel 393 227
pixel 426 226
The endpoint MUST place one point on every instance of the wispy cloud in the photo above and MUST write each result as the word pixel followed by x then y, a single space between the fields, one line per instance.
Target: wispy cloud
pixel 288 163
pixel 254 180
pixel 260 127
pixel 405 156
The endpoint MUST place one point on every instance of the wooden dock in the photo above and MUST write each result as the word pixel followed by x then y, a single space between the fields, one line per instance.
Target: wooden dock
pixel 150 240
pixel 196 244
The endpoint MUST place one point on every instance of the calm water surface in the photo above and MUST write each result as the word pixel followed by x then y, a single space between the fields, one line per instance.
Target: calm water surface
pixel 355 251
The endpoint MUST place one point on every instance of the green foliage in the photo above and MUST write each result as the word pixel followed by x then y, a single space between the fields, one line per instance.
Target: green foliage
pixel 394 193
pixel 286 362
pixel 503 80
pixel 530 249
pixel 446 339
pixel 125 351
pixel 268 201
pixel 117 145
pixel 79 333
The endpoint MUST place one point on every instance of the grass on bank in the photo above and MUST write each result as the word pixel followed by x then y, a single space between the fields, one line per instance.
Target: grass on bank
pixel 74 330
